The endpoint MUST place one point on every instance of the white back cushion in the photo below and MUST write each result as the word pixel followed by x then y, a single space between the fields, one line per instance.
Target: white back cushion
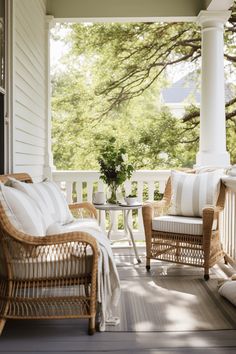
pixel 192 192
pixel 11 217
pixel 49 199
pixel 28 216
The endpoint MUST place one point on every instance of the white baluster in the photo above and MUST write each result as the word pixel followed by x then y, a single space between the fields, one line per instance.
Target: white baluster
pixel 89 177
pixel 162 186
pixel 68 187
pixel 90 191
pixel 234 229
pixel 79 191
pixel 233 218
pixel 151 189
pixel 128 189
pixel 229 224
pixel 140 199
pixel 101 188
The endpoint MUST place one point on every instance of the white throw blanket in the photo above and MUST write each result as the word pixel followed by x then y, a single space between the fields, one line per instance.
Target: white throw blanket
pixel 108 279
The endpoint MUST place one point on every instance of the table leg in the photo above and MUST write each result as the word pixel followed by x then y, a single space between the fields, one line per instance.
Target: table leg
pixel 126 221
pixel 111 226
pixel 99 217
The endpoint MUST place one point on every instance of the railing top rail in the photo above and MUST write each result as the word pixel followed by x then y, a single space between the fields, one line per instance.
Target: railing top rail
pixel 144 175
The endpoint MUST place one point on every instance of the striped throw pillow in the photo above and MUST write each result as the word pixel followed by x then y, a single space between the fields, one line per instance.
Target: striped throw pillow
pixel 22 211
pixel 49 199
pixel 192 192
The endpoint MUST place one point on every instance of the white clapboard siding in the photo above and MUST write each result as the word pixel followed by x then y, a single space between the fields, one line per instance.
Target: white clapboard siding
pixel 28 158
pixel 36 171
pixel 30 127
pixel 26 148
pixel 27 138
pixel 30 87
pixel 28 115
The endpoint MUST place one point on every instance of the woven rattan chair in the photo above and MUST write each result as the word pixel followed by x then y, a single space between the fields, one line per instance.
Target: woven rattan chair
pixel 197 250
pixel 47 277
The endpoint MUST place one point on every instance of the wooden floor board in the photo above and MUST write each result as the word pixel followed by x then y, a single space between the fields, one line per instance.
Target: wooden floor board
pixel 70 336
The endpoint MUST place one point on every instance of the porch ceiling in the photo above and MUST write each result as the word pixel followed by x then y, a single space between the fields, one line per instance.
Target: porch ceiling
pixel 72 10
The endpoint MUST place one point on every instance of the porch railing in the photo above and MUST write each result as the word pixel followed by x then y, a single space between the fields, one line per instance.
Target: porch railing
pixel 79 186
pixel 228 224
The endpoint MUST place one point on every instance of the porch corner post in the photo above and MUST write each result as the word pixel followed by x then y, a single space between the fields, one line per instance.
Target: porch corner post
pixel 212 149
pixel 48 162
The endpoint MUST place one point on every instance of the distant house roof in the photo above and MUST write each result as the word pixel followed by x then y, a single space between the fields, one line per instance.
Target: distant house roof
pixel 187 89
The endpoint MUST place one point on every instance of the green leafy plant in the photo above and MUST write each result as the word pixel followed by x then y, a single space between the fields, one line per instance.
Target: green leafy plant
pixel 114 166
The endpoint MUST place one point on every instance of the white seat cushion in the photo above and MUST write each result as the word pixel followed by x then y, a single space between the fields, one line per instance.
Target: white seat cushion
pixel 179 224
pixel 76 225
pixel 190 193
pixel 49 199
pixel 11 217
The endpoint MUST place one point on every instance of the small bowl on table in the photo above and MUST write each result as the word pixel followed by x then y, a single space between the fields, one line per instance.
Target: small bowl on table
pixel 131 200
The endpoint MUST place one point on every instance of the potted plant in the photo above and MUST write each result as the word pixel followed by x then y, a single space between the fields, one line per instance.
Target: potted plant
pixel 114 167
pixel 131 199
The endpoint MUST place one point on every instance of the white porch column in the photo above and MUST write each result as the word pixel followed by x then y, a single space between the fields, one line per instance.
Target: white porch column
pixel 48 161
pixel 212 149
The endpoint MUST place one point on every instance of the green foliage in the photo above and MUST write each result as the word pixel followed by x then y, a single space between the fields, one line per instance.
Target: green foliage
pixel 111 88
pixel 114 166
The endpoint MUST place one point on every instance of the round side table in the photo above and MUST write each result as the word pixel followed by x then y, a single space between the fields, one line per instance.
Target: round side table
pixel 126 209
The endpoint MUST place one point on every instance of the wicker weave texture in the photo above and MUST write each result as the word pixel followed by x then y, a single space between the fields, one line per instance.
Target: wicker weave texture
pixel 47 277
pixel 200 251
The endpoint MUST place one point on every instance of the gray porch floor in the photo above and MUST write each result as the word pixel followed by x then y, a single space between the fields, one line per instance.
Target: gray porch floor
pixel 69 336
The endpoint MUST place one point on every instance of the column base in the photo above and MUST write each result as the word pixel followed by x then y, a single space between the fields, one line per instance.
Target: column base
pixel 213 159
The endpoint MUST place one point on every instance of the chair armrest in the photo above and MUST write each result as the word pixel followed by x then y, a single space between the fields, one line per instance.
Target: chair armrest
pixel 158 207
pixel 55 239
pixel 34 256
pixel 77 208
pixel 209 214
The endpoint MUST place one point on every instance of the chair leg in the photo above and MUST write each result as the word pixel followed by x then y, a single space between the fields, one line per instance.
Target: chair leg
pixel 148 264
pixel 2 324
pixel 206 273
pixel 91 328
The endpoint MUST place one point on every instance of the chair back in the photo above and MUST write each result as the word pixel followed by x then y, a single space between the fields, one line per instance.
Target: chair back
pixel 220 201
pixel 23 177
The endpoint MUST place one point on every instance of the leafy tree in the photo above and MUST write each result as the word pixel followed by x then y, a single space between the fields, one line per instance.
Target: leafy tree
pixel 133 56
pixel 111 89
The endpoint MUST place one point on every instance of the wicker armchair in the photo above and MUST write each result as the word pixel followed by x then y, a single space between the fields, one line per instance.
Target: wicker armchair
pixel 203 250
pixel 47 277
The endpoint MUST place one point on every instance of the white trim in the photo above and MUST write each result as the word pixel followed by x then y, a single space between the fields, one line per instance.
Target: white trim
pixel 220 5
pixel 9 87
pixel 48 159
pixel 213 18
pixel 11 79
pixel 221 29
pixel 125 19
